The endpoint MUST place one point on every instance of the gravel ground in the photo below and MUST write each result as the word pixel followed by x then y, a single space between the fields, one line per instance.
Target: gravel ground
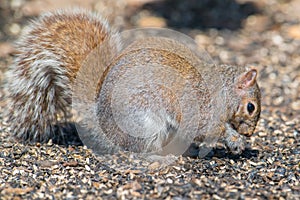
pixel 265 33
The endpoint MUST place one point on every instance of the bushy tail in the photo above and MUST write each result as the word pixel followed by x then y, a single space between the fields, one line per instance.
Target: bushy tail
pixel 39 82
pixel 39 95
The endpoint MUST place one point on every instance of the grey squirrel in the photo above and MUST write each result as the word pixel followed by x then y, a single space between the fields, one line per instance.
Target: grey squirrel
pixel 149 92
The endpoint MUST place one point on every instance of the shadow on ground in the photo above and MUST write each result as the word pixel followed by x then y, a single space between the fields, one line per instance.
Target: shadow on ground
pixel 193 152
pixel 203 14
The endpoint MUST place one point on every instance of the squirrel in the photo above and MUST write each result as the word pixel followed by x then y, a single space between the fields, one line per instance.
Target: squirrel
pixel 148 93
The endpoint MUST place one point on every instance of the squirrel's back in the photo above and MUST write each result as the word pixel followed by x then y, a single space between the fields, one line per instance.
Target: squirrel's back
pixel 50 53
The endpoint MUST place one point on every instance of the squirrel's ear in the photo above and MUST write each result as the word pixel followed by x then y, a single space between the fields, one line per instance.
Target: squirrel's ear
pixel 247 79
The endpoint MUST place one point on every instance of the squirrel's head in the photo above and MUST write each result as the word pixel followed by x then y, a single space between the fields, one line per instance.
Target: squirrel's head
pixel 247 114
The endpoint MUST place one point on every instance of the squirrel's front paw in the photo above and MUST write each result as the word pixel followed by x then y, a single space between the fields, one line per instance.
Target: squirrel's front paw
pixel 234 141
pixel 236 144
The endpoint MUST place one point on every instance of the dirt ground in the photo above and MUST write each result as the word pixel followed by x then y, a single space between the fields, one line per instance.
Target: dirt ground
pixel 264 33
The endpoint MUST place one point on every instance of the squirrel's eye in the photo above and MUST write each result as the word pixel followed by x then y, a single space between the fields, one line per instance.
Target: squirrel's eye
pixel 250 108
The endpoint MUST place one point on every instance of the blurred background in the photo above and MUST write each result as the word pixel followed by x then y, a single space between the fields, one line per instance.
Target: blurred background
pixel 201 19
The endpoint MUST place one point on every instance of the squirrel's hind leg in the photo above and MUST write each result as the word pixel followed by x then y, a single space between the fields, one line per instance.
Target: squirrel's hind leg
pixel 160 128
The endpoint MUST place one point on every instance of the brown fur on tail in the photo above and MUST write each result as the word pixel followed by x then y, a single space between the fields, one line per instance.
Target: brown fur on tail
pixel 39 81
